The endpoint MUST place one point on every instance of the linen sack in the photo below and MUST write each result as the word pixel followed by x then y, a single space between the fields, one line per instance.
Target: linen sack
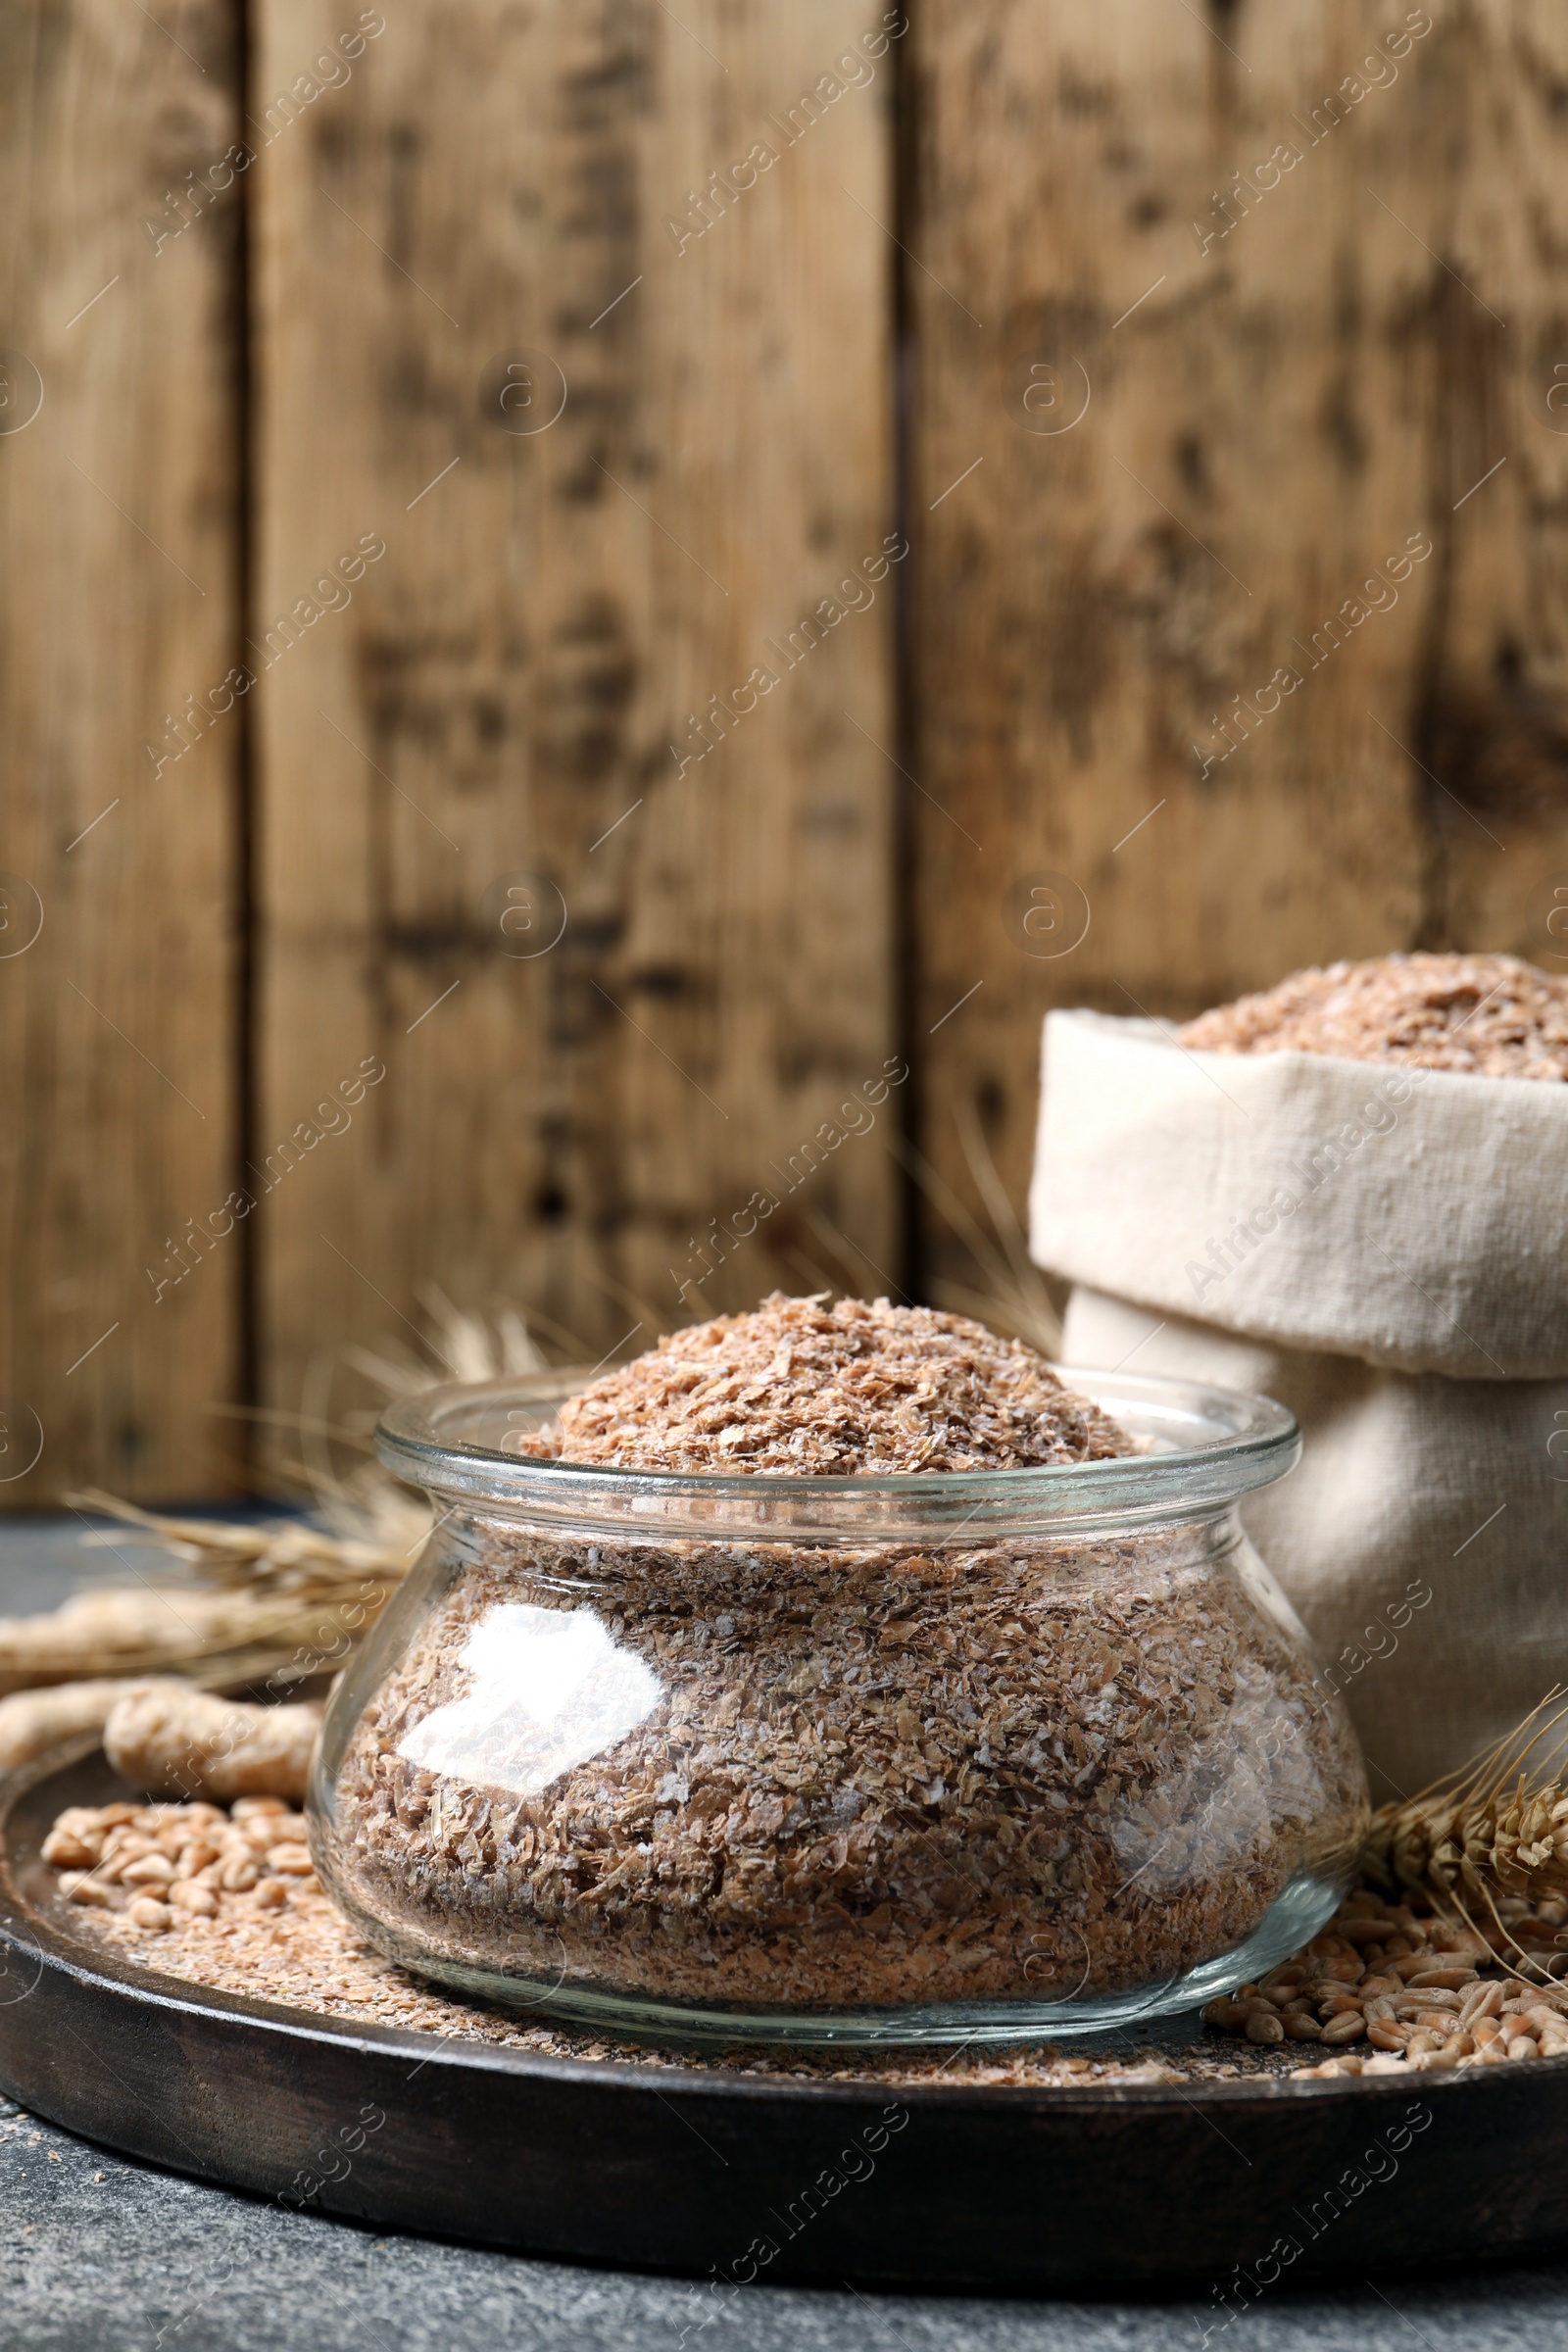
pixel 1385 1250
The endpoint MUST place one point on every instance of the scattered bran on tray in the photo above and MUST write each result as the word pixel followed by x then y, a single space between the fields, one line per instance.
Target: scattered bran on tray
pixel 1357 1997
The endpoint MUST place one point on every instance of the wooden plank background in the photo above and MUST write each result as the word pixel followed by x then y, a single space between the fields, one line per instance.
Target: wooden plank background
pixel 118 514
pixel 1278 399
pixel 502 695
pixel 502 941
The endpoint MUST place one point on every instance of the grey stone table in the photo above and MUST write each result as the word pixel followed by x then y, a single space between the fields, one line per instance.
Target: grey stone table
pixel 99 2254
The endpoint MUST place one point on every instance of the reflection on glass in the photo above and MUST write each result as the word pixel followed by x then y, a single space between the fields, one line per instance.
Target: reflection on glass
pixel 1255 1768
pixel 550 1691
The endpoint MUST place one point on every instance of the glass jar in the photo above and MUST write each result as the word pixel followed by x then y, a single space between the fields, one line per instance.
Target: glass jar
pixel 917 1759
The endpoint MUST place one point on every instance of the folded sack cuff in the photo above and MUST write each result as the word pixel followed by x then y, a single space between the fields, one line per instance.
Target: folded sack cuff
pixel 1415 1219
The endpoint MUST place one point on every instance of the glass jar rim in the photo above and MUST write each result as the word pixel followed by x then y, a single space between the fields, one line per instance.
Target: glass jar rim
pixel 1205 1447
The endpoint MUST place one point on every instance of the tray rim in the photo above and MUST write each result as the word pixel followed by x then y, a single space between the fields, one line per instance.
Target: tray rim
pixel 1018 2189
pixel 49 1939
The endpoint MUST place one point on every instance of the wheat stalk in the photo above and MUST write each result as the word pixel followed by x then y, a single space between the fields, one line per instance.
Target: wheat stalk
pixel 288 1557
pixel 256 1603
pixel 1497 1828
pixel 264 1600
pixel 1010 1294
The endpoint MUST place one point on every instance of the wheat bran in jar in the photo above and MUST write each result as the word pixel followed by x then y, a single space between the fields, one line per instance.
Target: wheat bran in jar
pixel 849 1775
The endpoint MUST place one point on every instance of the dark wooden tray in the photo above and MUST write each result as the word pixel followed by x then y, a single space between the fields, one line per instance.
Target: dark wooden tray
pixel 732 2178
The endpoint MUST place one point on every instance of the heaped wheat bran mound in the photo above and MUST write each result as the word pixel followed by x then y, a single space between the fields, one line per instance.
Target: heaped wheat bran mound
pixel 800 1389
pixel 1489 1016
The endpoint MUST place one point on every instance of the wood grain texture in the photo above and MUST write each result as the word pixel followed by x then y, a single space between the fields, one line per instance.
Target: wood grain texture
pixel 500 698
pixel 117 508
pixel 1316 308
pixel 1292 374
